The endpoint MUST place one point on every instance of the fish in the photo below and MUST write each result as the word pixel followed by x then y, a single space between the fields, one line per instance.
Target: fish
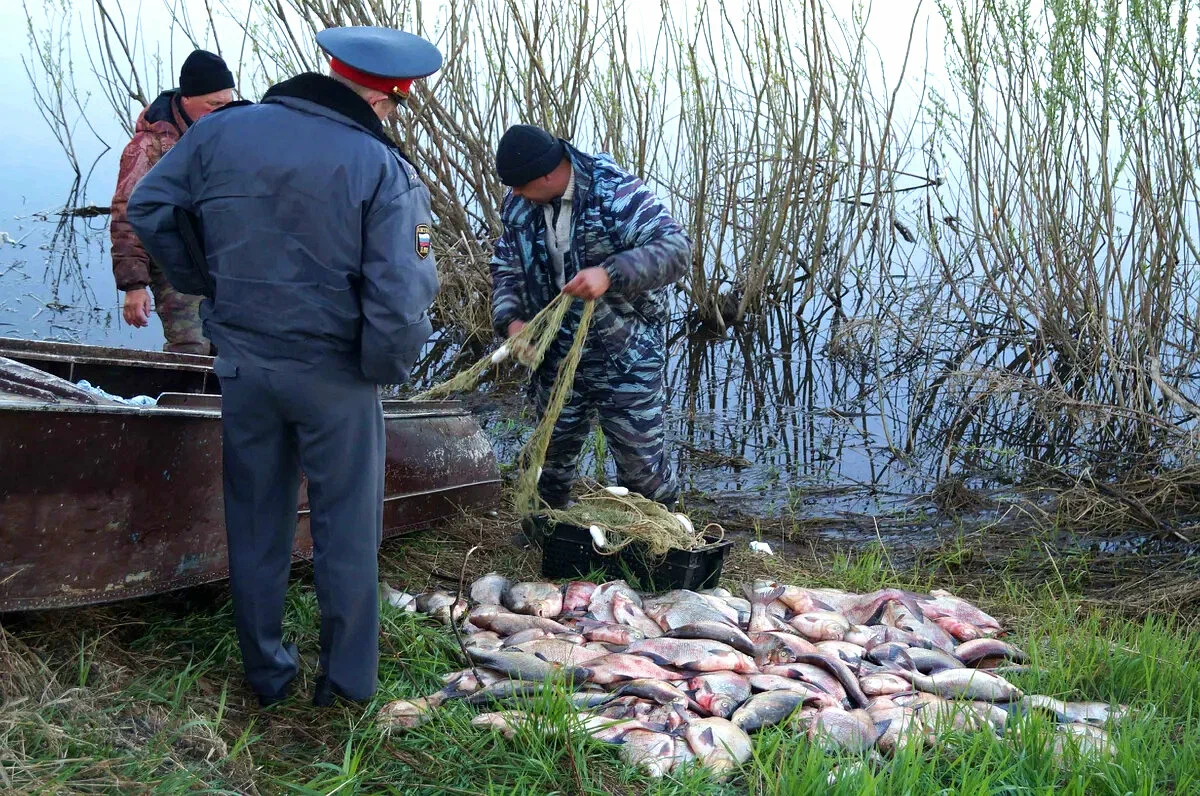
pixel 774 646
pixel 609 633
pixel 1094 713
pixel 484 639
pixel 970 684
pixel 973 652
pixel 941 715
pixel 739 604
pixel 813 675
pixel 1082 739
pixel 616 667
pixel 694 655
pixel 715 631
pixel 671 616
pixel 441 605
pixel 397 599
pixel 884 683
pixel 718 744
pixel 559 651
pixel 654 753
pixel 941 604
pixel 489 589
pixel 406 713
pixel 534 599
pixel 760 619
pixel 506 624
pixel 773 682
pixel 925 660
pixel 524 666
pixel 658 692
pixel 719 693
pixel 769 708
pixel 842 672
pixel 902 618
pixel 851 654
pixel 628 613
pixel 821 625
pixel 838 730
pixel 898 726
pixel 518 690
pixel 504 722
pixel 798 600
pixel 525 635
pixel 600 606
pixel 577 596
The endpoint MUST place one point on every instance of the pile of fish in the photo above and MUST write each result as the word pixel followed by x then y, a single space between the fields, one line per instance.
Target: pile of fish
pixel 686 675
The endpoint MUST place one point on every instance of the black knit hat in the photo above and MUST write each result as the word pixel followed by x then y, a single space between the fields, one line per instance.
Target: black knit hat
pixel 526 153
pixel 203 73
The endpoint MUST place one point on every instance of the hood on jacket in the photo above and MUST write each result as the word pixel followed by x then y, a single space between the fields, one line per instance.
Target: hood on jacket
pixel 165 110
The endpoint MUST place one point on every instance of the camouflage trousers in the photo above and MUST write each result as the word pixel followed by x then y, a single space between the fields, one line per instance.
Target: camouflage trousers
pixel 630 409
pixel 180 316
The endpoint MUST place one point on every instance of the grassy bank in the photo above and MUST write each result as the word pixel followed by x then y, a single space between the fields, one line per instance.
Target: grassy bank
pixel 147 696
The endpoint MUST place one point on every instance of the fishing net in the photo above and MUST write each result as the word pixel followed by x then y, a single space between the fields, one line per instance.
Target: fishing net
pixel 620 516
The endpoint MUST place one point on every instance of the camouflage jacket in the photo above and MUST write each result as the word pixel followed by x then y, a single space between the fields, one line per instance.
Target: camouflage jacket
pixel 159 127
pixel 617 223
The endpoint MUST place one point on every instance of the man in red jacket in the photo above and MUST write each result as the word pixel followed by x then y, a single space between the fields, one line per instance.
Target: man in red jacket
pixel 205 84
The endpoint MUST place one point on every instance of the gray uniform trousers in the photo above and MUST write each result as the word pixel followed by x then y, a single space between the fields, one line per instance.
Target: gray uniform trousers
pixel 273 423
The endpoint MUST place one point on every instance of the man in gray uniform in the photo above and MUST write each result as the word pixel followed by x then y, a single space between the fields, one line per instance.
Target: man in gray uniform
pixel 317 274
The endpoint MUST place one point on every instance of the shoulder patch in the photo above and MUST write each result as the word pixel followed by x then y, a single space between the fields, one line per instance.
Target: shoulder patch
pixel 423 240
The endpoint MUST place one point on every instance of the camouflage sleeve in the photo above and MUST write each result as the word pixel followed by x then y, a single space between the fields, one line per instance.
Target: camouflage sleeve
pixel 655 249
pixel 399 284
pixel 129 259
pixel 151 213
pixel 508 303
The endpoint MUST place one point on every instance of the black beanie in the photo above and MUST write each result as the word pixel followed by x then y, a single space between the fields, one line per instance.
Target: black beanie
pixel 526 153
pixel 203 73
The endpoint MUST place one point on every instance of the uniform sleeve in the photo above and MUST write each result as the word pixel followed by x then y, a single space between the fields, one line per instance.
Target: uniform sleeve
pixel 398 287
pixel 655 251
pixel 151 213
pixel 508 292
pixel 130 263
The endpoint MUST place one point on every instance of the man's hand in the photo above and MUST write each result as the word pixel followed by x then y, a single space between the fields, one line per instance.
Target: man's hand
pixel 137 307
pixel 590 283
pixel 522 352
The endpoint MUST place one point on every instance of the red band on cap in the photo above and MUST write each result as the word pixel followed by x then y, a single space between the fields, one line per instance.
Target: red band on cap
pixel 387 85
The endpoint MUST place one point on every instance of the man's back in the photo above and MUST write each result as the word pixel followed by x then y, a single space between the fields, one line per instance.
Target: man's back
pixel 305 213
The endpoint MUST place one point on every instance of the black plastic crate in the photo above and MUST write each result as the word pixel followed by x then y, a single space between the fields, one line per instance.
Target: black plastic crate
pixel 568 552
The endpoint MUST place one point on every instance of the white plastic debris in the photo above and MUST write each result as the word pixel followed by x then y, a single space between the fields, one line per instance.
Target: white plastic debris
pixel 619 491
pixel 761 547
pixel 500 355
pixel 686 523
pixel 598 536
pixel 137 400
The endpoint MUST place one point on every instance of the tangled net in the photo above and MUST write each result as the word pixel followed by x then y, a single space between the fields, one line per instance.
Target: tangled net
pixel 617 512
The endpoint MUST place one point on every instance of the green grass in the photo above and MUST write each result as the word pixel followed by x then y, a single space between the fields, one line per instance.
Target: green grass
pixel 147 696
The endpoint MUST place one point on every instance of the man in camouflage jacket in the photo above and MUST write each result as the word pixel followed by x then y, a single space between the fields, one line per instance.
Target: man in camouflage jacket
pixel 580 224
pixel 205 84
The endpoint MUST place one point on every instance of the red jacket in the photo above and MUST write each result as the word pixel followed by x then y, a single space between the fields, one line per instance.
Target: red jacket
pixel 159 127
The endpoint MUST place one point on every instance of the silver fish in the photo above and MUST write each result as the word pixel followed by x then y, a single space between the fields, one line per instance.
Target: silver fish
pixel 577 596
pixel 658 692
pixel 653 752
pixel 774 646
pixel 1095 713
pixel 489 589
pixel 507 624
pixel 851 654
pixel 821 625
pixel 927 661
pixel 850 731
pixel 843 674
pixel 694 655
pixel 627 612
pixel 617 667
pixel 559 651
pixel 971 684
pixel 524 666
pixel 600 606
pixel 718 744
pixel 760 618
pixel 719 693
pixel 715 631
pixel 534 599
pixel 526 635
pixel 609 633
pixel 974 652
pixel 769 708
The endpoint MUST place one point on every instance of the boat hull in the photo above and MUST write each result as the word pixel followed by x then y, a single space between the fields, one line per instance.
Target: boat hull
pixel 104 503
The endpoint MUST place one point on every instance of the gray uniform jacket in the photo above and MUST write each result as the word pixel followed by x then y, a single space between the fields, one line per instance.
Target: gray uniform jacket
pixel 315 230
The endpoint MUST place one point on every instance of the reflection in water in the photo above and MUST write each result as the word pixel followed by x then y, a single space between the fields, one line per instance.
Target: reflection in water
pixel 854 402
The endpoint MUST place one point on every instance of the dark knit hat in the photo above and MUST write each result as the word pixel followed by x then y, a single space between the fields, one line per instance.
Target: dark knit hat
pixel 526 153
pixel 203 73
